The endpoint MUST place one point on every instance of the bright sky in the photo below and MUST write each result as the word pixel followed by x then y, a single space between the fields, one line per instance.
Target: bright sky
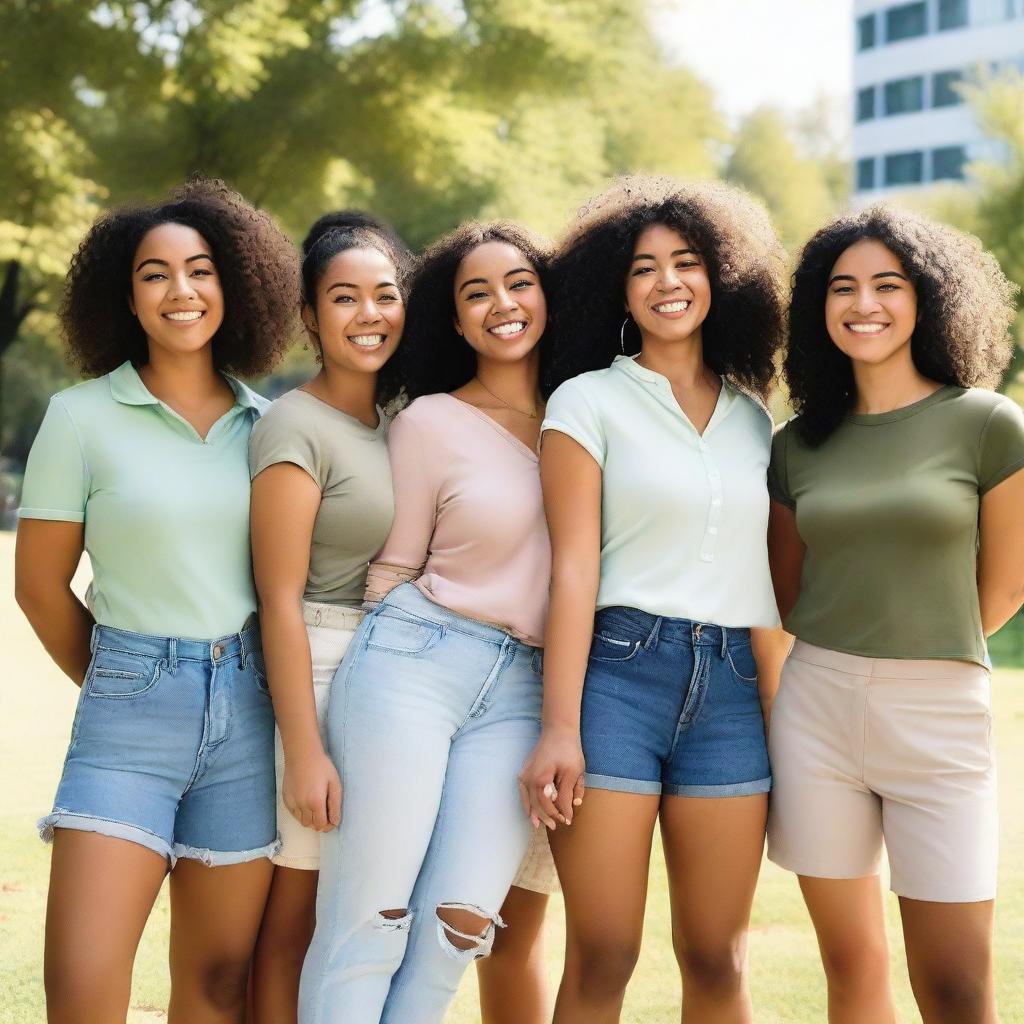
pixel 782 52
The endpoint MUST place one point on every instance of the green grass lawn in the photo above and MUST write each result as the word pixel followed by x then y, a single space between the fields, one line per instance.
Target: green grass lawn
pixel 36 707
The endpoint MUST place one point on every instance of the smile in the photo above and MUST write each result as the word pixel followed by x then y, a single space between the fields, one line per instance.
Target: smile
pixel 367 340
pixel 679 306
pixel 867 328
pixel 509 329
pixel 185 315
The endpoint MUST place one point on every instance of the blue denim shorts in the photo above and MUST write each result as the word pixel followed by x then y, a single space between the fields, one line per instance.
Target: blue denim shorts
pixel 172 747
pixel 671 706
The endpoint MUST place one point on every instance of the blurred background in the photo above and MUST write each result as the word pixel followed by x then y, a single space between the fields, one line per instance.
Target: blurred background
pixel 432 111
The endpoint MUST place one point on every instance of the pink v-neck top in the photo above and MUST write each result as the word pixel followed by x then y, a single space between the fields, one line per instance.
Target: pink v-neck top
pixel 469 526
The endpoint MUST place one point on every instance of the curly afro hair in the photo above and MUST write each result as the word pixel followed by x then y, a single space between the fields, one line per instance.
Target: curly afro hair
pixel 965 308
pixel 334 233
pixel 745 263
pixel 433 356
pixel 256 264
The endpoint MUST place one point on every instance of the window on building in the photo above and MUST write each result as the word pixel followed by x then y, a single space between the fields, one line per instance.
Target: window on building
pixel 904 95
pixel 904 168
pixel 952 14
pixel 944 88
pixel 866 103
pixel 906 21
pixel 866 32
pixel 865 170
pixel 948 163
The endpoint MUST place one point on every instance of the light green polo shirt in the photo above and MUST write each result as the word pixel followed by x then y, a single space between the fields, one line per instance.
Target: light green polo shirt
pixel 166 513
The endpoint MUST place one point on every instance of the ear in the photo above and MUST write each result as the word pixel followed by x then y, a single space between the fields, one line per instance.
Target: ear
pixel 309 319
pixel 457 326
pixel 131 305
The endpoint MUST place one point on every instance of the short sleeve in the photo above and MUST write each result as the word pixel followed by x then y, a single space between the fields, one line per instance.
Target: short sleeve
pixel 1001 448
pixel 569 411
pixel 778 470
pixel 278 438
pixel 56 484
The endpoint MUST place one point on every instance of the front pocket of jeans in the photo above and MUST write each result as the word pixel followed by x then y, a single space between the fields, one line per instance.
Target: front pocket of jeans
pixel 121 675
pixel 399 635
pixel 741 661
pixel 609 648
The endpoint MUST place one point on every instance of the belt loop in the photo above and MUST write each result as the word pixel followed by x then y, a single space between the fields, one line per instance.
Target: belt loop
pixel 725 641
pixel 94 638
pixel 241 643
pixel 172 654
pixel 652 637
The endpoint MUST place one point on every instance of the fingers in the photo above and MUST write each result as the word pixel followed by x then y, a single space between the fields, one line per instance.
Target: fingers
pixel 563 800
pixel 524 799
pixel 333 803
pixel 578 792
pixel 544 804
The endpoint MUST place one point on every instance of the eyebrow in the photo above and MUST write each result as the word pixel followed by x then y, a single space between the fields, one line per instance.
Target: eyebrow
pixel 678 252
pixel 874 277
pixel 483 280
pixel 348 284
pixel 164 263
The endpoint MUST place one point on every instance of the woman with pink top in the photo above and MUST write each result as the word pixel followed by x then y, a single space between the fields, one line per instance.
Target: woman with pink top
pixel 439 696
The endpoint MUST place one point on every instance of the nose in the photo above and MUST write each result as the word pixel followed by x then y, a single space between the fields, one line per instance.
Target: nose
pixel 504 301
pixel 865 301
pixel 668 279
pixel 182 287
pixel 367 313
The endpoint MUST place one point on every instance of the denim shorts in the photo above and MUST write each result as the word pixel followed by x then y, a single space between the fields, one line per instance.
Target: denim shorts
pixel 671 706
pixel 172 747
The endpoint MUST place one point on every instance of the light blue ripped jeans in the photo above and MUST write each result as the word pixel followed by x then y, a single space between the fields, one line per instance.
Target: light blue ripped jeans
pixel 431 717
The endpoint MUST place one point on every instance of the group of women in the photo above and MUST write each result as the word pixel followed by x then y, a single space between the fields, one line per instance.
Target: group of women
pixel 418 575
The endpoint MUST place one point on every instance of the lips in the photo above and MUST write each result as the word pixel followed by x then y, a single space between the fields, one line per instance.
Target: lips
pixel 676 306
pixel 509 329
pixel 367 340
pixel 867 329
pixel 185 316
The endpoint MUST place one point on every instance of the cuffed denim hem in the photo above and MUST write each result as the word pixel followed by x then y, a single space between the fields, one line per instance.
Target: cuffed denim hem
pixel 61 818
pixel 224 858
pixel 711 792
pixel 616 785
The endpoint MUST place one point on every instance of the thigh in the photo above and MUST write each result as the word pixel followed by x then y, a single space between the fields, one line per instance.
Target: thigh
pixel 848 915
pixel 948 940
pixel 713 853
pixel 101 893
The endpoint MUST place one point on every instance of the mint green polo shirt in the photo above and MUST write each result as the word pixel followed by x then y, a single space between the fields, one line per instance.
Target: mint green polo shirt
pixel 166 512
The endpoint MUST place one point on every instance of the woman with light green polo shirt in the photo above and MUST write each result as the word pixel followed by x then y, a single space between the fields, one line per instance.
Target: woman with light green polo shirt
pixel 897 546
pixel 322 506
pixel 170 765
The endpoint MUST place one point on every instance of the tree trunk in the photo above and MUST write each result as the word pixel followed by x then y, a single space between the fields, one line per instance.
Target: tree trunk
pixel 12 316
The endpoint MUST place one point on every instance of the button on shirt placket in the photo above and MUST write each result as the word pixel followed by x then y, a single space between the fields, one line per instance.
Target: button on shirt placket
pixel 714 520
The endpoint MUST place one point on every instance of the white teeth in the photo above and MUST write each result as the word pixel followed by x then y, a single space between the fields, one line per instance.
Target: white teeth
pixel 867 328
pixel 672 307
pixel 510 328
pixel 367 340
pixel 191 314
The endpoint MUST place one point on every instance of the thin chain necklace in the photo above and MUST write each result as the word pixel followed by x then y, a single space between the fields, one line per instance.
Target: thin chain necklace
pixel 498 398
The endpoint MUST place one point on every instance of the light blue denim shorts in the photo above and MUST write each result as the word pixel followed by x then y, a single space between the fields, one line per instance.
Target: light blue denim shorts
pixel 172 747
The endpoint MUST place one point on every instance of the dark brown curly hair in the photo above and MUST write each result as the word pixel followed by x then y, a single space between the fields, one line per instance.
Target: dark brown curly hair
pixel 257 266
pixel 965 308
pixel 433 356
pixel 745 264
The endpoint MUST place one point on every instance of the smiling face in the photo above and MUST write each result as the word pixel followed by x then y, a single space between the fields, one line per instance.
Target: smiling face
pixel 870 305
pixel 176 293
pixel 500 308
pixel 668 293
pixel 359 311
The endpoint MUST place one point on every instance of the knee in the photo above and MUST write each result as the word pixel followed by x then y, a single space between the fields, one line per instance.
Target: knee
pixel 856 967
pixel 603 967
pixel 466 932
pixel 222 983
pixel 957 989
pixel 717 968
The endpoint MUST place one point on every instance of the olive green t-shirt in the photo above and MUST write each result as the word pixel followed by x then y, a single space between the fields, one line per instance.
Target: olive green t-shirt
pixel 888 509
pixel 349 462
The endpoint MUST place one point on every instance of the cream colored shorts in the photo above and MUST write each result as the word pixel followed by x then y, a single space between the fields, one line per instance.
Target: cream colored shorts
pixel 330 630
pixel 537 871
pixel 871 749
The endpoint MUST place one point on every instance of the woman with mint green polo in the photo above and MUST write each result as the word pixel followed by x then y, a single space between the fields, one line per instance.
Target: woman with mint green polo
pixel 171 761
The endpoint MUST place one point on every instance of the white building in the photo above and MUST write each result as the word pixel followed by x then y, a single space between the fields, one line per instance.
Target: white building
pixel 911 125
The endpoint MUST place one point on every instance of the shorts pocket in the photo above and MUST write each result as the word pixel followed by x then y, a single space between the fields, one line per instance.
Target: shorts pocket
pixel 743 665
pixel 121 675
pixel 398 634
pixel 609 648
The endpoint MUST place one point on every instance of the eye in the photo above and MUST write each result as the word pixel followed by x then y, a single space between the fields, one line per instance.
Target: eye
pixel 202 272
pixel 155 276
pixel 841 289
pixel 473 296
pixel 343 298
pixel 641 270
pixel 684 264
pixel 524 283
pixel 389 298
pixel 889 287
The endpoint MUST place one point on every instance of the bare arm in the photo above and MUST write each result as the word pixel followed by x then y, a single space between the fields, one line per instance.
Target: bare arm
pixel 771 648
pixel 285 501
pixel 1001 556
pixel 571 480
pixel 785 555
pixel 47 553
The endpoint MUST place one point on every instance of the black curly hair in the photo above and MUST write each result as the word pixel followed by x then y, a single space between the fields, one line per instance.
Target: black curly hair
pixel 745 265
pixel 964 302
pixel 256 264
pixel 433 356
pixel 337 232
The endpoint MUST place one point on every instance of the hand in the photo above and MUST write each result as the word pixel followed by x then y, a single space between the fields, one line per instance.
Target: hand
pixel 312 791
pixel 551 782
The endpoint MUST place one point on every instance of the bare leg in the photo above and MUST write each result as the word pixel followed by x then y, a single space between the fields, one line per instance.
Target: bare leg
pixel 603 860
pixel 513 980
pixel 949 954
pixel 713 855
pixel 215 918
pixel 285 932
pixel 849 918
pixel 101 892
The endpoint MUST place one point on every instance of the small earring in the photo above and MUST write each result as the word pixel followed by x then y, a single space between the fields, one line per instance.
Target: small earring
pixel 622 334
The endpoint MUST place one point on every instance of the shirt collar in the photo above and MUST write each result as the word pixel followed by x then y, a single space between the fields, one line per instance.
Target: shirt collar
pixel 629 366
pixel 126 386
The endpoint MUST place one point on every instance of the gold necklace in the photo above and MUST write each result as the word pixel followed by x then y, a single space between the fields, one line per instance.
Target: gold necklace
pixel 498 398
